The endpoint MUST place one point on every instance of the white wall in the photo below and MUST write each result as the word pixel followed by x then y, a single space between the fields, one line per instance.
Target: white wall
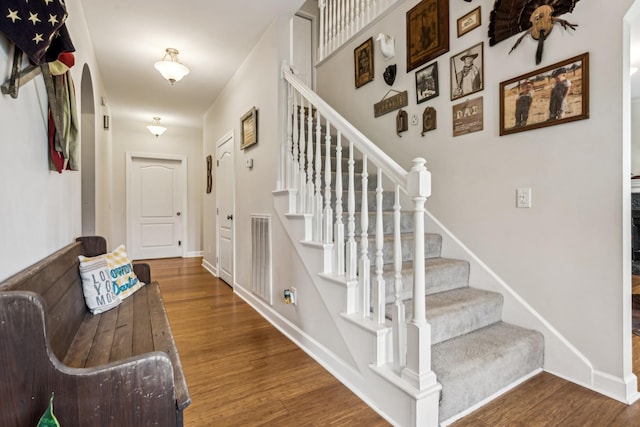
pixel 635 136
pixel 133 136
pixel 41 210
pixel 566 256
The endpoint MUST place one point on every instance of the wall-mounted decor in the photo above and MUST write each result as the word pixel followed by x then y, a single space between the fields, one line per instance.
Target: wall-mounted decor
pixel 402 122
pixel 363 63
pixel 429 120
pixel 389 74
pixel 427 32
pixel 209 173
pixel 468 22
pixel 249 129
pixel 468 117
pixel 387 46
pixel 549 96
pixel 510 17
pixel 427 83
pixel 467 72
pixel 390 103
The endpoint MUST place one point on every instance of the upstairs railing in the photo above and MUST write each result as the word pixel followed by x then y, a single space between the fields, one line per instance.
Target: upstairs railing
pixel 315 132
pixel 342 19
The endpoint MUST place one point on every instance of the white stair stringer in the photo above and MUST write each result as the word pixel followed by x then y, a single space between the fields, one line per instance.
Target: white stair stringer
pixel 370 344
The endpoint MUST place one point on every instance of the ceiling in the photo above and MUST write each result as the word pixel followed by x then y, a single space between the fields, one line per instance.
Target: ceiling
pixel 213 37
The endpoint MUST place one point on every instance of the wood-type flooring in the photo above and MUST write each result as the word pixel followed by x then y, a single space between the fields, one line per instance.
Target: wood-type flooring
pixel 242 371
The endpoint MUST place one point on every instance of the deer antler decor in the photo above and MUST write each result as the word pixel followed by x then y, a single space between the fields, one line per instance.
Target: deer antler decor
pixel 535 17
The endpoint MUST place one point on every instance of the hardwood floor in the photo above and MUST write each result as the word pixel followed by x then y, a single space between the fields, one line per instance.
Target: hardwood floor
pixel 242 371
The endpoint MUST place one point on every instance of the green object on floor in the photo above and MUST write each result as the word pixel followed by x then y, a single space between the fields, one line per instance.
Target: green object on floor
pixel 48 419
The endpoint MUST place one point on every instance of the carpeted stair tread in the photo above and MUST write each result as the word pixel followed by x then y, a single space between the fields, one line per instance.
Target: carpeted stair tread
pixel 432 246
pixel 475 366
pixel 457 312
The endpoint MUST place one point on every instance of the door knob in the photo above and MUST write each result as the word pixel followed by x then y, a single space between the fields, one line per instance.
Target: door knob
pixel 178 213
pixel 230 217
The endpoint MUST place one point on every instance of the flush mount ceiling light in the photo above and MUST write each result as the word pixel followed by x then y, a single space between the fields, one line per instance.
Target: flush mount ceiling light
pixel 156 128
pixel 170 68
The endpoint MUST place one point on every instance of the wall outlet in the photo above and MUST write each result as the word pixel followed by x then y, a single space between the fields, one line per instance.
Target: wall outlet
pixel 294 296
pixel 523 197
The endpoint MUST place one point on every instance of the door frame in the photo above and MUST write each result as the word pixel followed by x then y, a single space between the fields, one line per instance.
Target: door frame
pixel 228 136
pixel 183 198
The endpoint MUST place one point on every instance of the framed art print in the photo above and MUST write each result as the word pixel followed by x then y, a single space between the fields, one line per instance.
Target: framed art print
pixel 427 32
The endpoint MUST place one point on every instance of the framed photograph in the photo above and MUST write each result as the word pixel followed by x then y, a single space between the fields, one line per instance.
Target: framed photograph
pixel 549 96
pixel 427 32
pixel 249 128
pixel 468 117
pixel 363 63
pixel 467 72
pixel 468 22
pixel 427 83
pixel 209 173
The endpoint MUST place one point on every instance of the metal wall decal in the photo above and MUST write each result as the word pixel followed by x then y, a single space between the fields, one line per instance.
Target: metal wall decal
pixel 392 103
pixel 429 120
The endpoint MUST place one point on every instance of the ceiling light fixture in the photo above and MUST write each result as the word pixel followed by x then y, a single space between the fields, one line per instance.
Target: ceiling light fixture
pixel 170 68
pixel 156 128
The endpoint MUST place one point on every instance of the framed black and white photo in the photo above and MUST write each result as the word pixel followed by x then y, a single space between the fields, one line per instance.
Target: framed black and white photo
pixel 467 68
pixel 427 83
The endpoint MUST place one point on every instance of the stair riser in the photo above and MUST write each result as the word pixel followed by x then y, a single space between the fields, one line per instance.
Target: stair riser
pixel 438 278
pixel 432 246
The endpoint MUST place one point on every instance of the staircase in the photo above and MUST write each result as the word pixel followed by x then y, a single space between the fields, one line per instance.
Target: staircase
pixel 433 333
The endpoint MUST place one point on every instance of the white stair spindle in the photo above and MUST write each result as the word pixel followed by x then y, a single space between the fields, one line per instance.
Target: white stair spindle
pixel 339 226
pixel 302 189
pixel 318 205
pixel 322 5
pixel 297 170
pixel 328 211
pixel 310 166
pixel 351 249
pixel 398 317
pixel 289 158
pixel 364 270
pixel 378 289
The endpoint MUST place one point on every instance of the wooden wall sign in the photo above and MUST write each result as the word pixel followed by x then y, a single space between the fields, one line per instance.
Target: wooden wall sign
pixel 392 103
pixel 429 120
pixel 467 117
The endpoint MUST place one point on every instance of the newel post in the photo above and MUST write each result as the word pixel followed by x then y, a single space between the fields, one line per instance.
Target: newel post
pixel 418 369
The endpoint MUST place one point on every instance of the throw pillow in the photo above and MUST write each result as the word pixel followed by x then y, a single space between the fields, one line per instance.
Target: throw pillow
pixel 124 281
pixel 96 285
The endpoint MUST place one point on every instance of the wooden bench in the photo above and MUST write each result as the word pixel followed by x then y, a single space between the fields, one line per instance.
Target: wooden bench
pixel 118 368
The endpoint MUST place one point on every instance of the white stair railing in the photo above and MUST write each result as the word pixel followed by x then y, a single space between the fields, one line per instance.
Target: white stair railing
pixel 340 20
pixel 301 154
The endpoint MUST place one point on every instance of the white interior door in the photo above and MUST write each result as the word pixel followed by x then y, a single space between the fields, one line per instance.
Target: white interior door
pixel 156 188
pixel 225 190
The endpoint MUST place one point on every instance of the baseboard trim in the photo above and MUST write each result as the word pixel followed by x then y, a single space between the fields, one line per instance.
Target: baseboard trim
pixel 194 254
pixel 322 355
pixel 209 267
pixel 624 390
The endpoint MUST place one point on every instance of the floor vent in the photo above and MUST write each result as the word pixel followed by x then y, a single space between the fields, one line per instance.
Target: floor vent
pixel 261 257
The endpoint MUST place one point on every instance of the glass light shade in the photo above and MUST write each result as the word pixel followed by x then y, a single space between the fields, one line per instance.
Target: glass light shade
pixel 170 68
pixel 156 128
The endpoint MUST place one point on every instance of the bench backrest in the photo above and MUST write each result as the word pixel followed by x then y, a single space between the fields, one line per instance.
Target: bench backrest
pixel 57 280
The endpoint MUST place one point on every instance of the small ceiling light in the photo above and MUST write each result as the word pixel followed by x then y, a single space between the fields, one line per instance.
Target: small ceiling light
pixel 170 68
pixel 156 128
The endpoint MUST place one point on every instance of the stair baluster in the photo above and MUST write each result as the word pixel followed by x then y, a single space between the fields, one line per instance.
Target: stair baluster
pixel 364 270
pixel 322 7
pixel 339 227
pixel 352 256
pixel 378 289
pixel 328 211
pixel 317 204
pixel 288 157
pixel 398 316
pixel 309 138
pixel 298 155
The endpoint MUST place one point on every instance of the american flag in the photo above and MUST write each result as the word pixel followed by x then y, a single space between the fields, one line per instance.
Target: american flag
pixel 34 26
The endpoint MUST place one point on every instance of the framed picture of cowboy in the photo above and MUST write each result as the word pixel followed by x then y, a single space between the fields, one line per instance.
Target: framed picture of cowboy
pixel 467 72
pixel 549 96
pixel 427 32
